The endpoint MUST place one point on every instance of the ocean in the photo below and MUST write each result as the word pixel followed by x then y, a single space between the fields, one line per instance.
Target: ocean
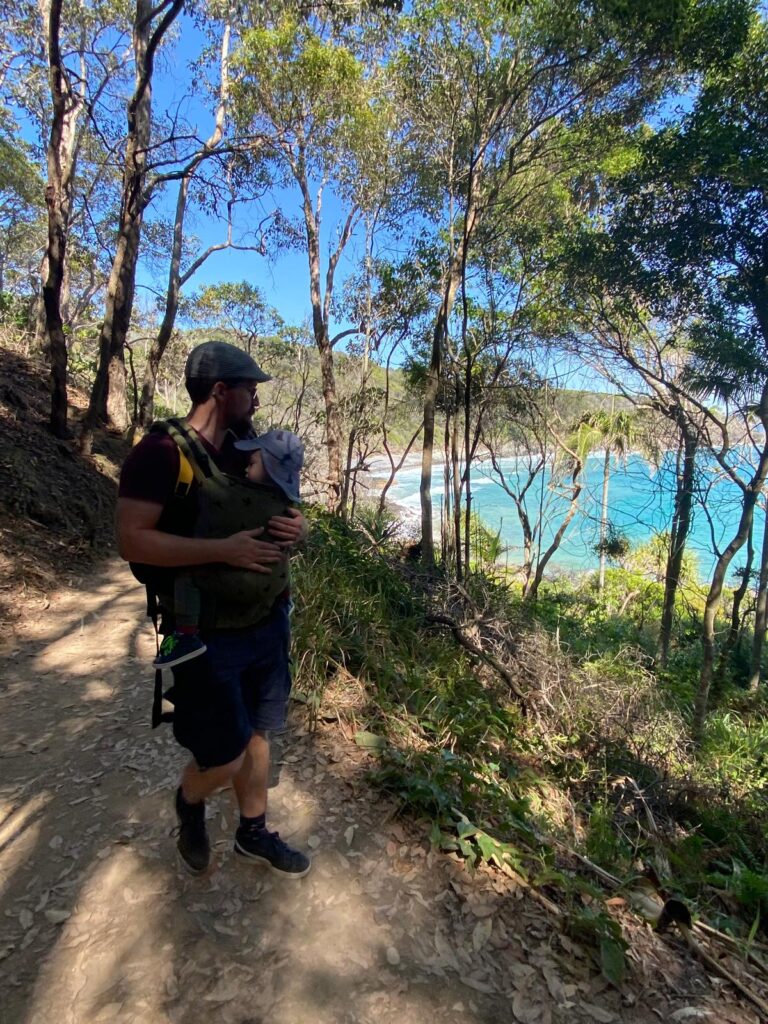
pixel 640 503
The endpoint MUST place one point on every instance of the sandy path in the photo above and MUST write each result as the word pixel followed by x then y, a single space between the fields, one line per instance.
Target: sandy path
pixel 98 922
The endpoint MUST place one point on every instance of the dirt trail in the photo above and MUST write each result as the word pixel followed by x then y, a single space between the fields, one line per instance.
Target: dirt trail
pixel 99 923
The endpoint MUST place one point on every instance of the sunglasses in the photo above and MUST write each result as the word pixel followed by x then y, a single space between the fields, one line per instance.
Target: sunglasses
pixel 249 387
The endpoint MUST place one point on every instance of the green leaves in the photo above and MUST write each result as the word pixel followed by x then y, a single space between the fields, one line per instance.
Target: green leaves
pixel 596 925
pixel 476 846
pixel 370 740
pixel 308 97
pixel 612 960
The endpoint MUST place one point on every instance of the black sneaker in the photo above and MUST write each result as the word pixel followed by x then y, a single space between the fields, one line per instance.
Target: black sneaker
pixel 268 848
pixel 193 844
pixel 177 648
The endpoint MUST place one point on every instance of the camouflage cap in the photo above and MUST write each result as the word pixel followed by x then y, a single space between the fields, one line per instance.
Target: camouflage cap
pixel 217 360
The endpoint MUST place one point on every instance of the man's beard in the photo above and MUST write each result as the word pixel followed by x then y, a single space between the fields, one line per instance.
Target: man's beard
pixel 243 427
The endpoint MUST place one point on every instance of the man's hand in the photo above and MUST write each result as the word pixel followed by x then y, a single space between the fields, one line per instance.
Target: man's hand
pixel 245 552
pixel 290 528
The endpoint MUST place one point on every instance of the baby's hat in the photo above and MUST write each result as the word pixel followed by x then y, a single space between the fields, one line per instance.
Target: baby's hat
pixel 283 455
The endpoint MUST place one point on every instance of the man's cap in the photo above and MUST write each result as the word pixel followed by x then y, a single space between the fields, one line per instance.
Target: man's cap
pixel 217 360
pixel 283 455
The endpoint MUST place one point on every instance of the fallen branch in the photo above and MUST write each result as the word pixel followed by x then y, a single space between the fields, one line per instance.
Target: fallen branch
pixel 518 879
pixel 737 945
pixel 463 640
pixel 715 965
pixel 651 906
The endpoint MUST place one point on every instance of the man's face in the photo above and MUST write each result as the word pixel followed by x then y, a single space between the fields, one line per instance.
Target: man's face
pixel 241 402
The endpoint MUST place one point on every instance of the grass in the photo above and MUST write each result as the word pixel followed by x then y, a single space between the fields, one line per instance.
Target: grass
pixel 497 785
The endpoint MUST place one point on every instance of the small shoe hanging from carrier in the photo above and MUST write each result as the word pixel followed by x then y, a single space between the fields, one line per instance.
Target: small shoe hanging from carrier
pixel 230 598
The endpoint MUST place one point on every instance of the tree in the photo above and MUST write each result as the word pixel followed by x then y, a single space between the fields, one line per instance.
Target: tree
pixel 58 65
pixel 692 220
pixel 696 217
pixel 21 206
pixel 493 92
pixel 614 432
pixel 761 613
pixel 70 103
pixel 544 479
pixel 150 26
pixel 307 96
pixel 176 277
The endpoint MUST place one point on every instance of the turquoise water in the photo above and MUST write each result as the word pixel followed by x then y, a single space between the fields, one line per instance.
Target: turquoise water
pixel 640 501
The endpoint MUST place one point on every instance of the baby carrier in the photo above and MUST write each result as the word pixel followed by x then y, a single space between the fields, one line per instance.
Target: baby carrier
pixel 231 598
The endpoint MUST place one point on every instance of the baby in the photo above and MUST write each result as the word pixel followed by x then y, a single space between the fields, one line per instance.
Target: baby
pixel 276 460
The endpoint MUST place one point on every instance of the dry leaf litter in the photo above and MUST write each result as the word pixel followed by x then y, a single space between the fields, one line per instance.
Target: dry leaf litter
pixel 99 923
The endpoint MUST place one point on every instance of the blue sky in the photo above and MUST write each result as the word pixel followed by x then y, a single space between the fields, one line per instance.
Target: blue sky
pixel 284 280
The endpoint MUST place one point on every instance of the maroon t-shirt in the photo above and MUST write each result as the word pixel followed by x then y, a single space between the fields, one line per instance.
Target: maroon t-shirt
pixel 152 468
pixel 151 471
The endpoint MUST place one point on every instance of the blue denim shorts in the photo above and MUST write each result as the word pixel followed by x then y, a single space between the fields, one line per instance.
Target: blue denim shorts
pixel 241 684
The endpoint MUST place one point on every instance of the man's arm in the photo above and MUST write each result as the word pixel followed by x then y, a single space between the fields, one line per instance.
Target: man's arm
pixel 139 540
pixel 291 528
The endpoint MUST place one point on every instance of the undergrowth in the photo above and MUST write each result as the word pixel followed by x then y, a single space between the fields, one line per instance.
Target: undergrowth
pixel 597 763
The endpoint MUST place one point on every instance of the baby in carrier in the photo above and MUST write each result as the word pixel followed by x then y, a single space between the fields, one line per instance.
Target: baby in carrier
pixel 276 460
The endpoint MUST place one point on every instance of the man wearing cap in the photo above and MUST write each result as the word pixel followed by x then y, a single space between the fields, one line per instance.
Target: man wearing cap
pixel 227 702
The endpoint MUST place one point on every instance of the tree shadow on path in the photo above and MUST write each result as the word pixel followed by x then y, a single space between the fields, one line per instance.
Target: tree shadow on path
pixel 99 923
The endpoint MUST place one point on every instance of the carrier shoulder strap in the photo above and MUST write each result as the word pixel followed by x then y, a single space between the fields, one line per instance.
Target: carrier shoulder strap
pixel 185 477
pixel 193 463
pixel 191 451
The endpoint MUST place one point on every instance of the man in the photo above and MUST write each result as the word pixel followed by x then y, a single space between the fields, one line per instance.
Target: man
pixel 226 703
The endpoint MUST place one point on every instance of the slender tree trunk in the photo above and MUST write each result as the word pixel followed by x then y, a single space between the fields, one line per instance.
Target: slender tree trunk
pixel 175 279
pixel 395 467
pixel 525 526
pixel 533 589
pixel 320 313
pixel 348 471
pixel 751 492
pixel 468 453
pixel 461 565
pixel 107 402
pixel 431 391
pixel 681 525
pixel 439 336
pixel 734 630
pixel 446 506
pixel 67 106
pixel 165 333
pixel 604 520
pixel 761 613
pixel 332 417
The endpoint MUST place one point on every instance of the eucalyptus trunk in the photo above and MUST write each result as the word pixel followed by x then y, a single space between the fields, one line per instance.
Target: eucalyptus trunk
pixel 107 403
pixel 761 614
pixel 576 488
pixel 321 306
pixel 750 495
pixel 332 417
pixel 604 520
pixel 431 391
pixel 61 159
pixel 525 526
pixel 456 482
pixel 446 518
pixel 454 275
pixel 468 452
pixel 175 278
pixel 348 469
pixel 734 629
pixel 681 526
